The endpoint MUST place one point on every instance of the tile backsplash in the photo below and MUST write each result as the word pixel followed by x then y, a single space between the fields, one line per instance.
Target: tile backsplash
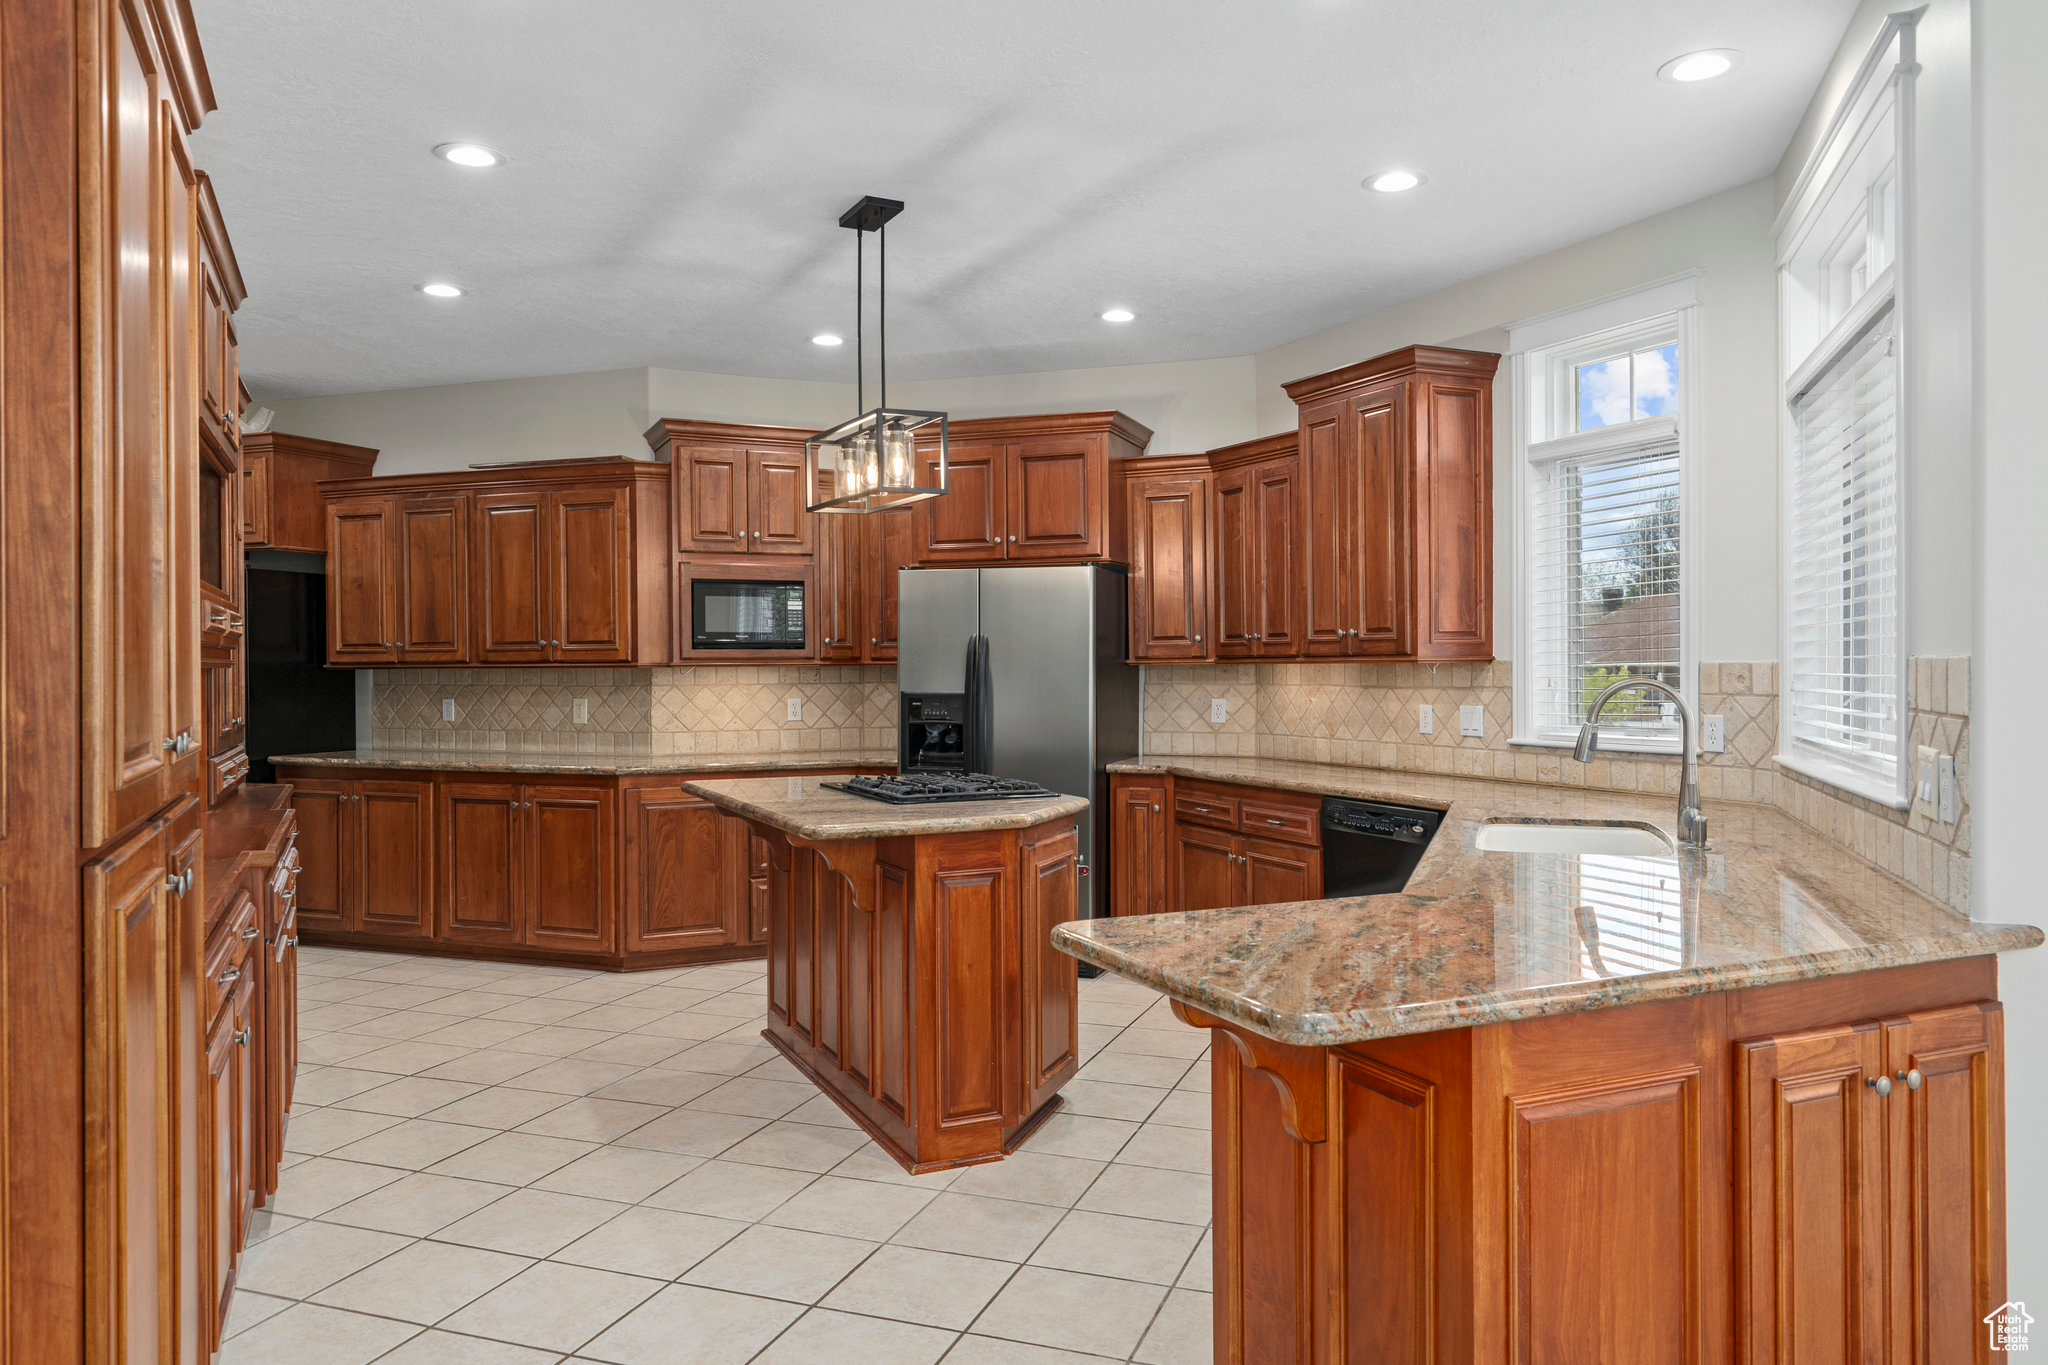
pixel 656 711
pixel 1366 715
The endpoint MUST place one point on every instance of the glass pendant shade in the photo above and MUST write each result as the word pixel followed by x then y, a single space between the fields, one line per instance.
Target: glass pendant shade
pixel 875 461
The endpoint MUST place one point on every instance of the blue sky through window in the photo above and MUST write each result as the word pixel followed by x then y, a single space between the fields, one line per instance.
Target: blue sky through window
pixel 1626 388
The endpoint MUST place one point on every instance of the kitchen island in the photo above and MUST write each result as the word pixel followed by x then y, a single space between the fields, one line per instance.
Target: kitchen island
pixel 911 974
pixel 1736 1104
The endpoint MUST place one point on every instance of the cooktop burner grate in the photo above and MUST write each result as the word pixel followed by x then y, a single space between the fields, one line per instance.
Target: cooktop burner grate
pixel 910 789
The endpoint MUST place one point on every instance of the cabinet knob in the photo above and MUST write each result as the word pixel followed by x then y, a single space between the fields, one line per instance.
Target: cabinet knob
pixel 1913 1079
pixel 1013 540
pixel 873 641
pixel 1198 639
pixel 292 942
pixel 1882 1085
pixel 241 1037
pixel 1155 810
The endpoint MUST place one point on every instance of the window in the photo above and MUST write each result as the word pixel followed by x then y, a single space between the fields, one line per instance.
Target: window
pixel 1603 592
pixel 1844 706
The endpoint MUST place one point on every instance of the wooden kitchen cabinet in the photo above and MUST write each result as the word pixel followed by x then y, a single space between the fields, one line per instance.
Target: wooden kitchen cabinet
pixel 1205 871
pixel 367 855
pixel 221 292
pixel 562 562
pixel 1138 842
pixel 282 506
pixel 481 899
pixel 1397 470
pixel 685 874
pixel 737 489
pixel 842 555
pixel 1259 532
pixel 527 865
pixel 1030 490
pixel 1048 894
pixel 888 546
pixel 1168 499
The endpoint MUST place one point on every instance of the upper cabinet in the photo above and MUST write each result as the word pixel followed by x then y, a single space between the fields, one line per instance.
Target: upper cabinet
pixel 1397 473
pixel 1260 515
pixel 737 489
pixel 220 293
pixel 1167 498
pixel 1028 489
pixel 281 476
pixel 558 563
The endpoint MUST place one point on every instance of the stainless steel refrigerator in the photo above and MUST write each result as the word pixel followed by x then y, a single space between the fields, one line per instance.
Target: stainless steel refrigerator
pixel 1019 671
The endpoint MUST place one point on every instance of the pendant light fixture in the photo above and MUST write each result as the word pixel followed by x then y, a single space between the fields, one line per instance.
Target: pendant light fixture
pixel 875 455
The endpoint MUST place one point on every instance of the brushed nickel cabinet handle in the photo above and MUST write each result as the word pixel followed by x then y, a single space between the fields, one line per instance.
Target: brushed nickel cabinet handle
pixel 248 934
pixel 229 977
pixel 241 1037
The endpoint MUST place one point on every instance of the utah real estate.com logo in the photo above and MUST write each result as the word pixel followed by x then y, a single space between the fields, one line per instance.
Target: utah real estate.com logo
pixel 2008 1326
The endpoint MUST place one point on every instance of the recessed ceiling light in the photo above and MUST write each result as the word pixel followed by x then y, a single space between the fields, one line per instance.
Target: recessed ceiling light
pixel 441 291
pixel 1700 66
pixel 827 339
pixel 1118 315
pixel 1393 182
pixel 470 154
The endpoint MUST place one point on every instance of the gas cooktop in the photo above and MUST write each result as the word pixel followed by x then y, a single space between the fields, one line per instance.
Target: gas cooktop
pixel 910 789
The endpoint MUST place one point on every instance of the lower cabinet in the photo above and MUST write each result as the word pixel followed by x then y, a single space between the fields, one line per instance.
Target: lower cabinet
pixel 1184 845
pixel 1137 836
pixel 618 872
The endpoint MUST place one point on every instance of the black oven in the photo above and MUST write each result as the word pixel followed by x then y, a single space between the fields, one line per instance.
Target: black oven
pixel 747 614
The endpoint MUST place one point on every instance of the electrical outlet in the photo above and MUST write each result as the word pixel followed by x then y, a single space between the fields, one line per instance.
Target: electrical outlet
pixel 1713 735
pixel 579 711
pixel 1425 718
pixel 796 708
pixel 1472 722
pixel 1927 782
pixel 448 709
pixel 1219 710
pixel 1951 799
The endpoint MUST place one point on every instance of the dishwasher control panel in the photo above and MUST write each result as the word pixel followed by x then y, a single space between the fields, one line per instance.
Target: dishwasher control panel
pixel 1407 824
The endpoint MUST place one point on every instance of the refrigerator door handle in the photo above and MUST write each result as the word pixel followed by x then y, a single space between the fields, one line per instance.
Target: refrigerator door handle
pixel 980 714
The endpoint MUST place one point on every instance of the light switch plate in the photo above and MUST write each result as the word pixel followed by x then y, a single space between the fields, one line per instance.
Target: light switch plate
pixel 1713 735
pixel 1927 782
pixel 1425 718
pixel 1950 800
pixel 448 709
pixel 1219 710
pixel 796 708
pixel 1472 722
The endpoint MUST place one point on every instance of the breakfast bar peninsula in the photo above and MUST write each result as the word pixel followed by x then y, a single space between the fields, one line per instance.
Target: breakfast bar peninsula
pixel 911 973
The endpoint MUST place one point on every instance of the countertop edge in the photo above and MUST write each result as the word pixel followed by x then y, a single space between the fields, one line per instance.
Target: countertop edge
pixel 831 831
pixel 1336 1030
pixel 580 765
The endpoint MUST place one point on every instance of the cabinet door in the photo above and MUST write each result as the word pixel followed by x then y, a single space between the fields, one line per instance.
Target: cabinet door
pixel 220 1204
pixel 1169 569
pixel 1378 445
pixel 777 521
pixel 684 875
pixel 592 550
pixel 481 863
pixel 248 1132
pixel 321 808
pixel 512 580
pixel 891 546
pixel 1278 518
pixel 1947 1133
pixel 1055 498
pixel 362 565
pixel 255 500
pixel 840 558
pixel 757 883
pixel 126 609
pixel 1810 1192
pixel 1236 588
pixel 130 1080
pixel 433 580
pixel 1454 523
pixel 394 858
pixel 711 501
pixel 1137 849
pixel 1279 874
pixel 1048 894
pixel 187 568
pixel 569 883
pixel 968 524
pixel 1329 571
pixel 1206 871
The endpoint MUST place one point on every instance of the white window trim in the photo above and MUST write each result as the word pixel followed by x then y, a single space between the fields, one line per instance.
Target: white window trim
pixel 1812 192
pixel 1678 296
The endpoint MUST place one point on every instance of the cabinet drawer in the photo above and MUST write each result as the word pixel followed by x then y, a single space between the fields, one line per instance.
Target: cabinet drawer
pixel 1198 807
pixel 1272 820
pixel 228 953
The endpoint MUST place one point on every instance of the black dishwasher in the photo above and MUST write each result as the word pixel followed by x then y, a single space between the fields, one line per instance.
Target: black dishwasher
pixel 1370 849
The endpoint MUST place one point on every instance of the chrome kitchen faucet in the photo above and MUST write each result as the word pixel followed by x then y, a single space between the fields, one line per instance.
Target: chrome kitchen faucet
pixel 1692 821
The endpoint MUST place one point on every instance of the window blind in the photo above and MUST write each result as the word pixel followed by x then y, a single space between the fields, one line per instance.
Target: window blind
pixel 1843 572
pixel 1604 596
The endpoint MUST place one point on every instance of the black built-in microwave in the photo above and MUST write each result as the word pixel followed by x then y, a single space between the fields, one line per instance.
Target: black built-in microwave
pixel 747 614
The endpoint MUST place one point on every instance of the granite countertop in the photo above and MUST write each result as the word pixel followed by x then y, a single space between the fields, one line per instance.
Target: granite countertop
pixel 1481 938
pixel 590 765
pixel 800 806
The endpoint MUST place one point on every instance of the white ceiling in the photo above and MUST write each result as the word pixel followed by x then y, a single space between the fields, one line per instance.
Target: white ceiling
pixel 677 170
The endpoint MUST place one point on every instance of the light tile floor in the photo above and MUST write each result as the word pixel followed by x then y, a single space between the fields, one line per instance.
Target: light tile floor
pixel 505 1165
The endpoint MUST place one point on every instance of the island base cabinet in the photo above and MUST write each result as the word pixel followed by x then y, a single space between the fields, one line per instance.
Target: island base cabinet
pixel 914 981
pixel 1801 1173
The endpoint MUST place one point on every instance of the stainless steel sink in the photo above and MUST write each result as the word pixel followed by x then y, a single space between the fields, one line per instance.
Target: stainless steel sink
pixel 1616 839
